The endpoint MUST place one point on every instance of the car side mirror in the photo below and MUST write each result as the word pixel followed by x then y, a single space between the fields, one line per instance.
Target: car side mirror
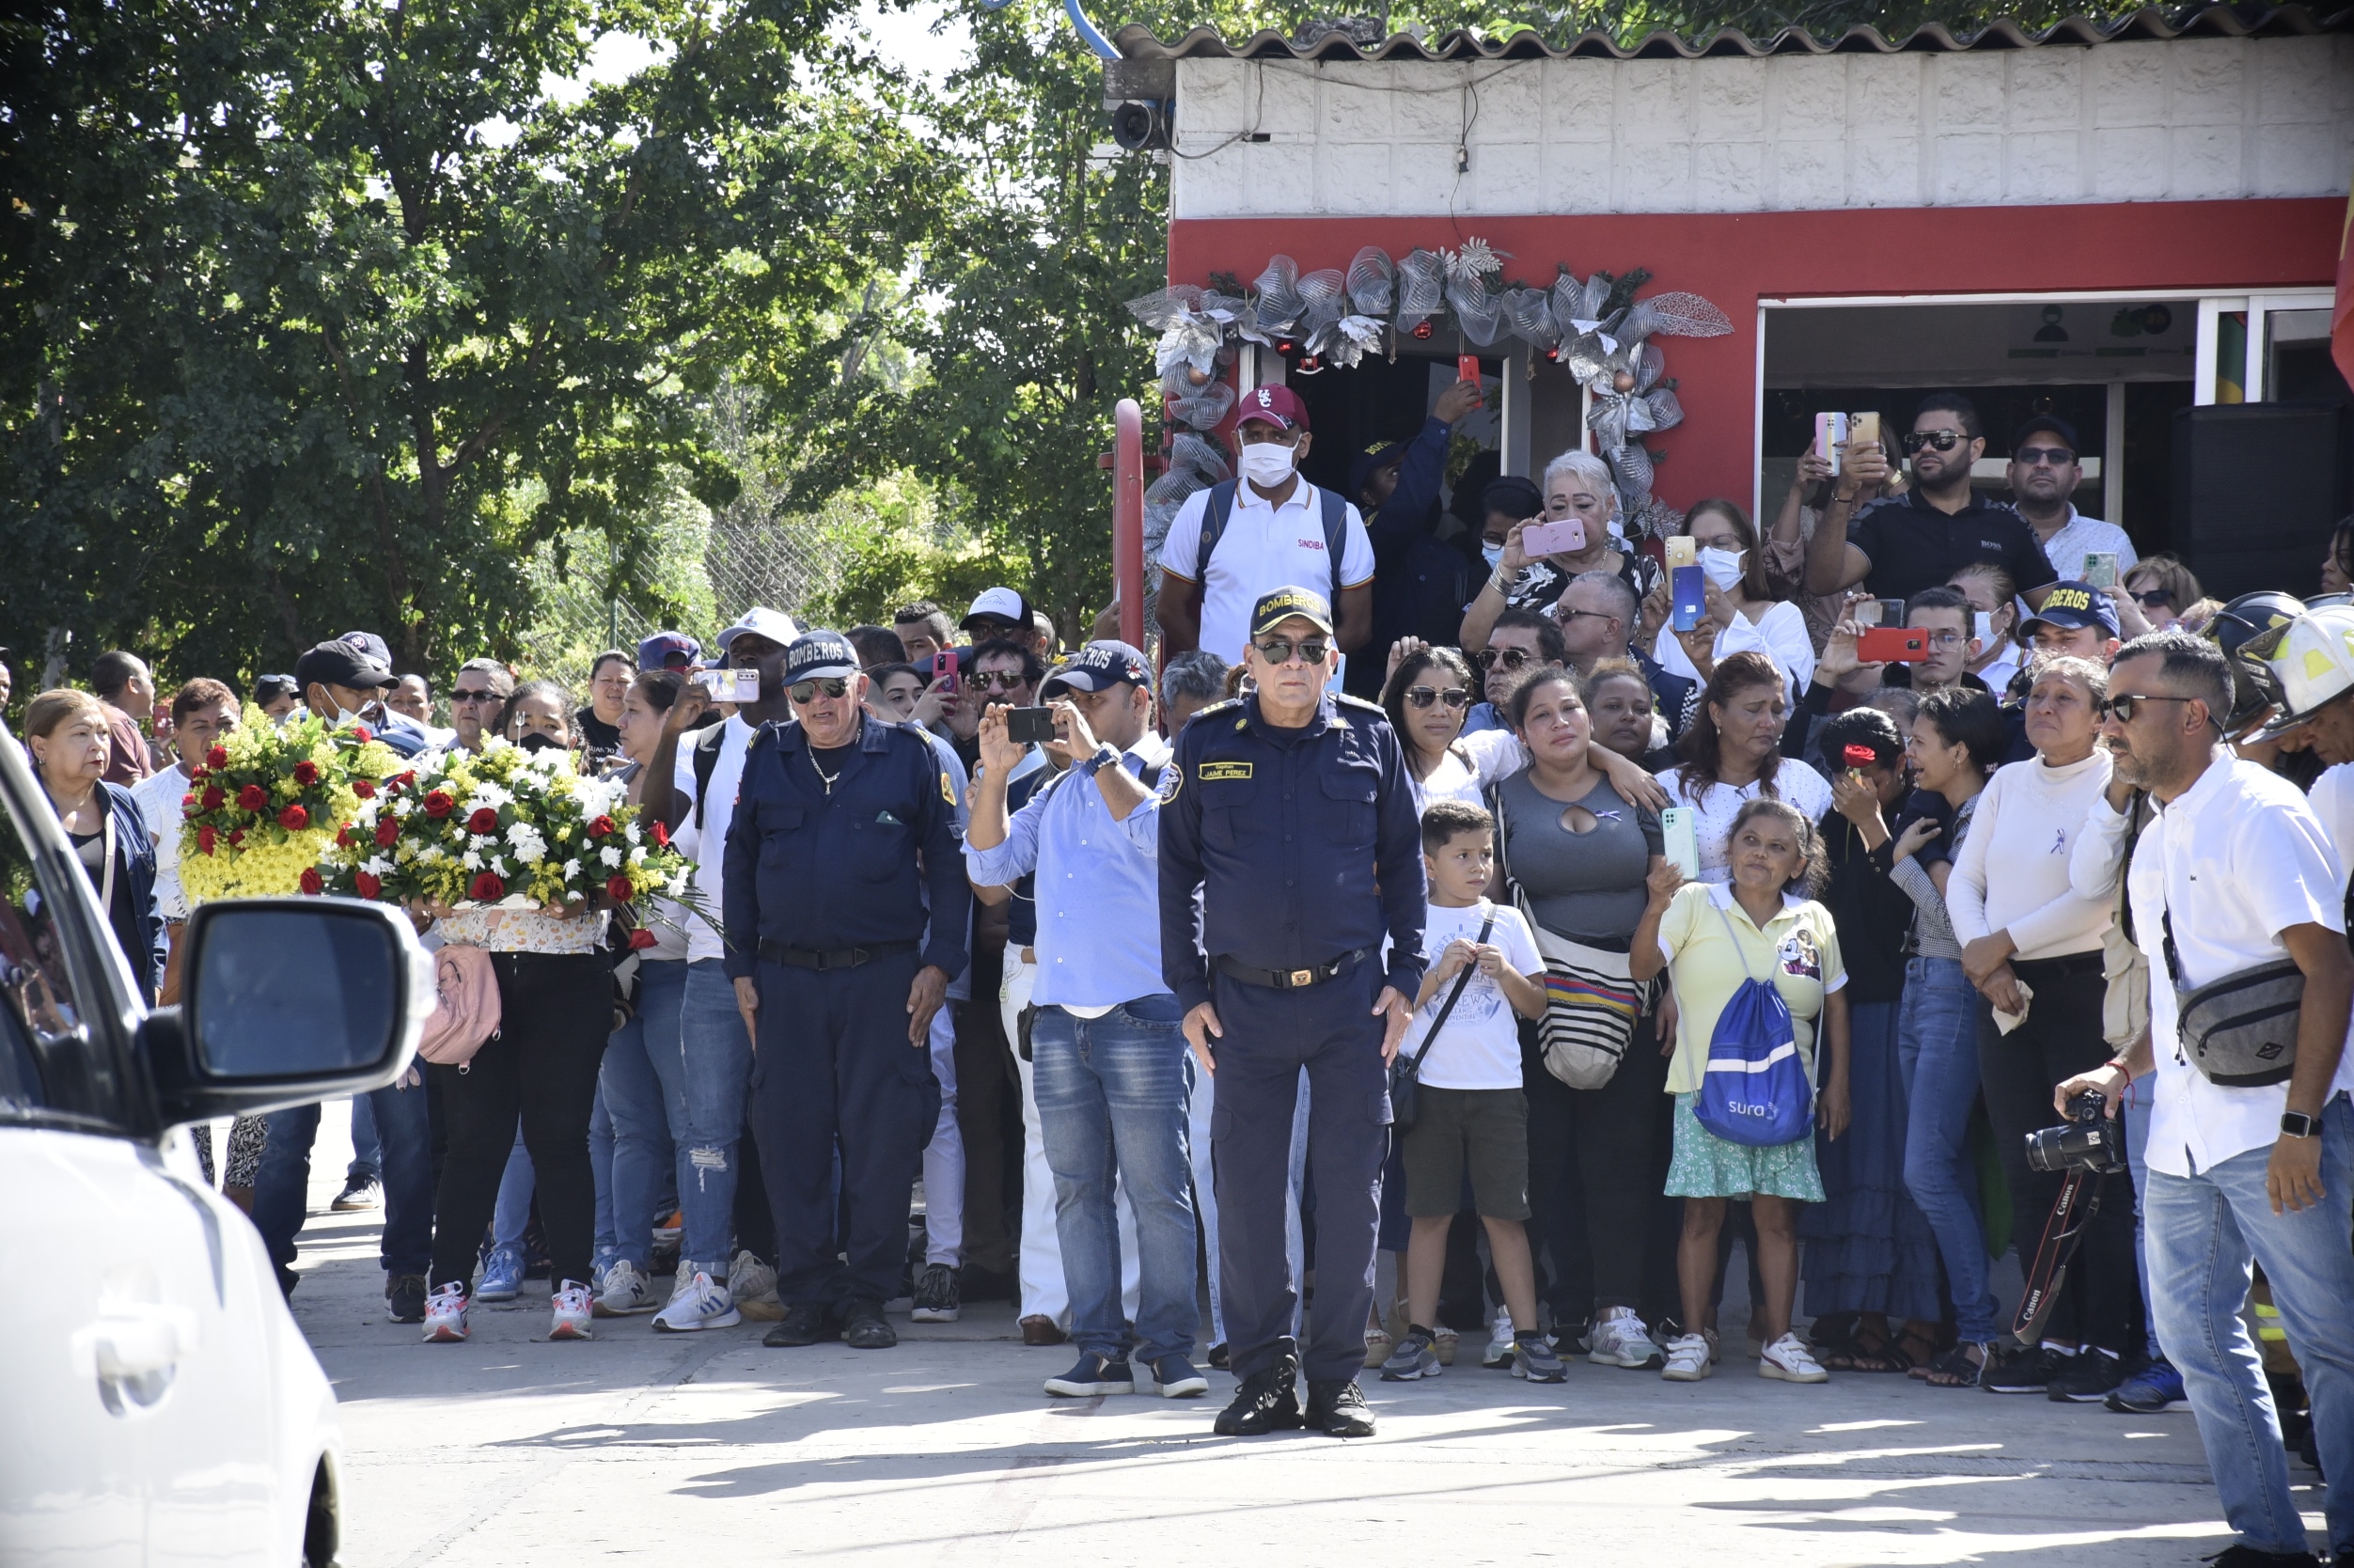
pixel 285 1002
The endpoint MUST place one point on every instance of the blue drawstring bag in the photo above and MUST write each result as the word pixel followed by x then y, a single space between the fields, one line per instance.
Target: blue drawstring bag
pixel 1755 1089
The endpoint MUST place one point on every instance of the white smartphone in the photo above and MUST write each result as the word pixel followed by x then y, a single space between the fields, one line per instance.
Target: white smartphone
pixel 738 686
pixel 1831 437
pixel 1680 827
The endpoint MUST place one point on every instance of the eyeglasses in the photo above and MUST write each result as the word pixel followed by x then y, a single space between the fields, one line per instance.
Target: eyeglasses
pixel 1944 639
pixel 1422 697
pixel 1512 658
pixel 468 694
pixel 1572 615
pixel 806 691
pixel 1944 441
pixel 2153 598
pixel 2058 457
pixel 1279 651
pixel 2121 706
pixel 1001 680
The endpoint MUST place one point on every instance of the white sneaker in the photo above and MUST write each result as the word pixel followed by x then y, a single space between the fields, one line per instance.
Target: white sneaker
pixel 446 1316
pixel 573 1308
pixel 1687 1360
pixel 1498 1351
pixel 1619 1339
pixel 752 1285
pixel 626 1292
pixel 700 1304
pixel 1789 1360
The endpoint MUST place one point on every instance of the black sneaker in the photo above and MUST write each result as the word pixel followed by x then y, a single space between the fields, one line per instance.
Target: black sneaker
pixel 864 1326
pixel 2019 1368
pixel 405 1296
pixel 935 1295
pixel 2241 1555
pixel 1217 1356
pixel 1267 1402
pixel 361 1192
pixel 2086 1378
pixel 1338 1408
pixel 804 1322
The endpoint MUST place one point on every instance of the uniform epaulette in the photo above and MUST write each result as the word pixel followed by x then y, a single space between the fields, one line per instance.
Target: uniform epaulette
pixel 1227 706
pixel 1346 700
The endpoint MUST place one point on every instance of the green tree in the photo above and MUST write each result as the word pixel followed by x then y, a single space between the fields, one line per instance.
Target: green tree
pixel 322 314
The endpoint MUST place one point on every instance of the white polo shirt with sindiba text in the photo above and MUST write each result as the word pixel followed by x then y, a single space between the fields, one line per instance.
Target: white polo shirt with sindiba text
pixel 1264 548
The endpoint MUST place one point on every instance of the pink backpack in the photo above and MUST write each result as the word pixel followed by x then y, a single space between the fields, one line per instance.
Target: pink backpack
pixel 466 1012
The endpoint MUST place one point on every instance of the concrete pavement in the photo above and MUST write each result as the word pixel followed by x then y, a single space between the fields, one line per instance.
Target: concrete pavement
pixel 682 1448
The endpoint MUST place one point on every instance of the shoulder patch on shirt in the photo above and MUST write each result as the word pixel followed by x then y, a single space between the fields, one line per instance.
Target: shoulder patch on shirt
pixel 1172 781
pixel 948 790
pixel 1210 772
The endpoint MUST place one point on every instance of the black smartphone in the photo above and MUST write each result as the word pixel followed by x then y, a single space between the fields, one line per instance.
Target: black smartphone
pixel 1030 725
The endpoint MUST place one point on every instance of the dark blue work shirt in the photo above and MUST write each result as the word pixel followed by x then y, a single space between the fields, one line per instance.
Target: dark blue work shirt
pixel 1304 842
pixel 823 871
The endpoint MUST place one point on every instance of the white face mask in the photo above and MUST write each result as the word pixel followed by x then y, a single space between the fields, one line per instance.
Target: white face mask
pixel 1723 567
pixel 1266 463
pixel 1495 554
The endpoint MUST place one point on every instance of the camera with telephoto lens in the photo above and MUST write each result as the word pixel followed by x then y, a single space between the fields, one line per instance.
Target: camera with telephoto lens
pixel 2090 1141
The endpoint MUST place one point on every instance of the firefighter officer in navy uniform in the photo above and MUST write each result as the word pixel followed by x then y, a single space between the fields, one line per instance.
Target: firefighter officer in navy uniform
pixel 1288 810
pixel 842 826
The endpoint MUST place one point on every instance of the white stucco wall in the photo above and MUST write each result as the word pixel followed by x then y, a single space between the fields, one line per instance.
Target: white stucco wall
pixel 2188 119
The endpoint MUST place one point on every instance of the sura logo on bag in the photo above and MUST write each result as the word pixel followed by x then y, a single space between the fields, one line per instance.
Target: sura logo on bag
pixel 1755 1091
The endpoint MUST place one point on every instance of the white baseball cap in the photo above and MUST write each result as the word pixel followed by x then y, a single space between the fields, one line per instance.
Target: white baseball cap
pixel 775 625
pixel 2314 662
pixel 1001 603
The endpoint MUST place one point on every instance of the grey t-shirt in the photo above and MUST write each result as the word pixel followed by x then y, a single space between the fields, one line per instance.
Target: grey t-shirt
pixel 1584 886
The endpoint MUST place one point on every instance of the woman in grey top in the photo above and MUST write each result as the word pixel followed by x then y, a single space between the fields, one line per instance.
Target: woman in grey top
pixel 1958 741
pixel 1578 855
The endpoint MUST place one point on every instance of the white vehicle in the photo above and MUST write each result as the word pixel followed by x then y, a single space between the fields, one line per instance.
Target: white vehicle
pixel 157 1403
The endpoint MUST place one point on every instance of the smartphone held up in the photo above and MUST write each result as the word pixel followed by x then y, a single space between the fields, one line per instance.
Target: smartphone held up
pixel 738 686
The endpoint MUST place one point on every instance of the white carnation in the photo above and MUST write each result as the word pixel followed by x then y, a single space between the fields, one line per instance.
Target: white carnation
pixel 471 860
pixel 403 806
pixel 610 857
pixel 571 870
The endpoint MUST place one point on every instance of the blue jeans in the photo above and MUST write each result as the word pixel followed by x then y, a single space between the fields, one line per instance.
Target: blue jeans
pixel 2202 1232
pixel 646 1107
pixel 2138 1097
pixel 368 1151
pixel 282 1185
pixel 1937 1053
pixel 512 1217
pixel 1112 1104
pixel 710 1073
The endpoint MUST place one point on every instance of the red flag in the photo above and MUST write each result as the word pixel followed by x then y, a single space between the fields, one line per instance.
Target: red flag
pixel 2342 312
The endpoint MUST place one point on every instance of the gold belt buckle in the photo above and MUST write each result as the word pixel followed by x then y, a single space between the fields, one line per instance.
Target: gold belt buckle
pixel 1303 977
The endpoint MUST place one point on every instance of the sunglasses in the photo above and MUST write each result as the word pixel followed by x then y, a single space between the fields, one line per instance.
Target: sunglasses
pixel 465 695
pixel 2121 706
pixel 1279 651
pixel 2154 599
pixel 807 691
pixel 1508 658
pixel 1944 441
pixel 1422 697
pixel 2058 457
pixel 1000 680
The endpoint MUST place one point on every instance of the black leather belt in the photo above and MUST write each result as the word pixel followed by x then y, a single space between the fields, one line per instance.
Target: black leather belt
pixel 1291 980
pixel 838 958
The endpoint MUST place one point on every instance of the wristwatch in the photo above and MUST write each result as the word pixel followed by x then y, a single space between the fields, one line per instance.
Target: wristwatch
pixel 1107 755
pixel 2298 1124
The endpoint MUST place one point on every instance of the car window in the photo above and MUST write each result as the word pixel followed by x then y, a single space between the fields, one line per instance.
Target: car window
pixel 54 1069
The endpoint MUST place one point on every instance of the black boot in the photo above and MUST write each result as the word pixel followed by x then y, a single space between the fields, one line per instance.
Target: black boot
pixel 1266 1402
pixel 806 1323
pixel 865 1328
pixel 1338 1408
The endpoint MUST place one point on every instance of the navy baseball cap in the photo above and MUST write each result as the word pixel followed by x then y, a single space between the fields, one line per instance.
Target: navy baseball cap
pixel 2042 424
pixel 369 644
pixel 1380 455
pixel 2073 605
pixel 668 651
pixel 1274 608
pixel 814 655
pixel 1098 666
pixel 342 664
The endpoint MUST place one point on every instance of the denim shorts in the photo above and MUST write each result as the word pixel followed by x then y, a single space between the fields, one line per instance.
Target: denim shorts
pixel 1486 1129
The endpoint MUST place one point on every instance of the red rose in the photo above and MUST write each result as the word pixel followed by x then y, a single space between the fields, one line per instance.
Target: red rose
pixel 236 836
pixel 486 888
pixel 188 801
pixel 294 819
pixel 253 797
pixel 617 888
pixel 206 839
pixel 368 885
pixel 364 787
pixel 363 735
pixel 216 757
pixel 483 821
pixel 311 883
pixel 345 838
pixel 387 832
pixel 407 779
pixel 307 773
pixel 662 835
pixel 599 826
pixel 1859 756
pixel 211 799
pixel 199 775
pixel 640 939
pixel 438 804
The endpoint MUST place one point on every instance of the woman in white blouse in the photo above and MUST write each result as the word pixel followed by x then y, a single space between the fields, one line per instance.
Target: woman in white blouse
pixel 1732 756
pixel 1742 612
pixel 1428 695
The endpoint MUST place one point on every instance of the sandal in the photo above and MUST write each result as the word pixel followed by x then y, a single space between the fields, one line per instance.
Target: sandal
pixel 1872 1351
pixel 1924 1345
pixel 1832 1339
pixel 1957 1367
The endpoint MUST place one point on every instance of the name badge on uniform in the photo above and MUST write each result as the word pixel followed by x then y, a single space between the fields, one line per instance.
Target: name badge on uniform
pixel 1209 773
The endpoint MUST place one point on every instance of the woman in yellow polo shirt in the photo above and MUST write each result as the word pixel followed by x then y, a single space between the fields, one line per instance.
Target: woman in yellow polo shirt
pixel 1710 938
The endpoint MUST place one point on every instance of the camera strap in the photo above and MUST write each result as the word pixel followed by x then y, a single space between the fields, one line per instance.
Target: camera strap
pixel 2062 1231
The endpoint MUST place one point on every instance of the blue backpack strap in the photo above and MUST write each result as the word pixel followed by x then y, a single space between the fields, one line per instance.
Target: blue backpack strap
pixel 1336 532
pixel 1213 516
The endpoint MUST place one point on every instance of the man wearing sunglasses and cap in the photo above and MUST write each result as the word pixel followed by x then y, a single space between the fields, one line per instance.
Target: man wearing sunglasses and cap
pixel 1289 811
pixel 846 910
pixel 1938 525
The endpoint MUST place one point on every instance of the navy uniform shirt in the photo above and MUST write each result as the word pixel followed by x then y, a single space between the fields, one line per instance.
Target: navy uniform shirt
pixel 825 871
pixel 1304 844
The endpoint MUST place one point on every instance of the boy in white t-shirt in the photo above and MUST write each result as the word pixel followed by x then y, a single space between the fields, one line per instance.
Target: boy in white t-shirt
pixel 1469 1108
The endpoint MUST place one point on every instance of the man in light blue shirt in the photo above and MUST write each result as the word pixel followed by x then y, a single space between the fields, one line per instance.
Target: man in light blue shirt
pixel 1109 1055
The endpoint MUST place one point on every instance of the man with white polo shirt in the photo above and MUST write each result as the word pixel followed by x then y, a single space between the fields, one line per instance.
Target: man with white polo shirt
pixel 1266 529
pixel 2249 1162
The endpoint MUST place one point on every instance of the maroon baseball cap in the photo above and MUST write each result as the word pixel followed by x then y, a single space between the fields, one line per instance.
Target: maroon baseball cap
pixel 1279 407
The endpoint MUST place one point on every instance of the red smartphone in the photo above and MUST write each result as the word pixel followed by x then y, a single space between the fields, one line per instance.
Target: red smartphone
pixel 1467 369
pixel 1891 645
pixel 943 667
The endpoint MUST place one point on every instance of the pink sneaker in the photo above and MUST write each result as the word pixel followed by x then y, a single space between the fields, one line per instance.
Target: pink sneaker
pixel 574 1307
pixel 446 1316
